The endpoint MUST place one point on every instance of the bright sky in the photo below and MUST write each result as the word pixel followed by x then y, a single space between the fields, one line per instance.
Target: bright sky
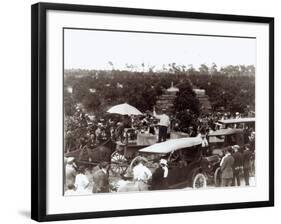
pixel 92 49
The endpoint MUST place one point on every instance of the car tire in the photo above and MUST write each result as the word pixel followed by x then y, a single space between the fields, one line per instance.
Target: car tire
pixel 199 181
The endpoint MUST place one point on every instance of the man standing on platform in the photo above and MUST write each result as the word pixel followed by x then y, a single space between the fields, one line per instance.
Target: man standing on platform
pixel 163 124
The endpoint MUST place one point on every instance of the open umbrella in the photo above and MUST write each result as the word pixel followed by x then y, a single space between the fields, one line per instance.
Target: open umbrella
pixel 124 109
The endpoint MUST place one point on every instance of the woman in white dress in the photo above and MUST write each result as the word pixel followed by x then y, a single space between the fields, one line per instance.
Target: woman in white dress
pixel 81 182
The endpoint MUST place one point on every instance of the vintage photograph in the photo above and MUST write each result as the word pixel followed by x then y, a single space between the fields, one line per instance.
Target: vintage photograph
pixel 148 111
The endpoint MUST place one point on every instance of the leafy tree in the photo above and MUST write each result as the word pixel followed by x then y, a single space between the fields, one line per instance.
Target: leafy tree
pixel 91 102
pixel 186 106
pixel 69 103
pixel 203 69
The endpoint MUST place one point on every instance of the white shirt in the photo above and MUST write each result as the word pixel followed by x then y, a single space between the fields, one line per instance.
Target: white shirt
pixel 81 182
pixel 164 119
pixel 165 171
pixel 141 172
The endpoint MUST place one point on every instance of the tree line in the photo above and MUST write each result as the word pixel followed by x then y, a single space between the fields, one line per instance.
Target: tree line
pixel 230 88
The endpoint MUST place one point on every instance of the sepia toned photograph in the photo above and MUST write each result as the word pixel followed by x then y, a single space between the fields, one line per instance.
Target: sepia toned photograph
pixel 152 111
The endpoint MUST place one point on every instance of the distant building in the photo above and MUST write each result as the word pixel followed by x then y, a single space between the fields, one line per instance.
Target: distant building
pixel 173 89
pixel 166 100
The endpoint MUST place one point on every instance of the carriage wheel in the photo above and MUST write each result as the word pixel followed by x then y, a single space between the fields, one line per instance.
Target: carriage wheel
pixel 199 181
pixel 217 177
pixel 118 163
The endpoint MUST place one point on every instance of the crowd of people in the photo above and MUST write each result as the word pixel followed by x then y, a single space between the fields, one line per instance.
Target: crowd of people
pixel 237 163
pixel 83 130
pixel 82 181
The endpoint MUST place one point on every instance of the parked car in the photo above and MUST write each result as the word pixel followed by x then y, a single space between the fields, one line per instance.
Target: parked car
pixel 238 123
pixel 187 163
pixel 221 139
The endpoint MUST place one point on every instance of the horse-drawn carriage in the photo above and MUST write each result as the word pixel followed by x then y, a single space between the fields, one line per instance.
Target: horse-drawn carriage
pixel 118 154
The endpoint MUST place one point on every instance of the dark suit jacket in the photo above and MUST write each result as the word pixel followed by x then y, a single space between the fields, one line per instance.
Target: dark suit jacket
pixel 247 159
pixel 238 162
pixel 101 183
pixel 226 167
pixel 157 180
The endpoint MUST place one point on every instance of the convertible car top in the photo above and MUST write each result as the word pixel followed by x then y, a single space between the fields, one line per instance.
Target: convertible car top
pixel 172 145
pixel 228 131
pixel 238 120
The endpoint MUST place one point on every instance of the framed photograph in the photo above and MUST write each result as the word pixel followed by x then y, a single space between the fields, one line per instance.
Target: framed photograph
pixel 140 111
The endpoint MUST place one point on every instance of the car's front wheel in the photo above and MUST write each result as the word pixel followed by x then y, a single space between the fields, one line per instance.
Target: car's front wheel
pixel 199 181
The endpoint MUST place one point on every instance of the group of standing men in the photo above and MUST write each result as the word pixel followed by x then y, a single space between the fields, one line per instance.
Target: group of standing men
pixel 233 164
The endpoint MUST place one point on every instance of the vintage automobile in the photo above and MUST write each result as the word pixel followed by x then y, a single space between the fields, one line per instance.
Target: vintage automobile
pixel 242 123
pixel 220 139
pixel 188 165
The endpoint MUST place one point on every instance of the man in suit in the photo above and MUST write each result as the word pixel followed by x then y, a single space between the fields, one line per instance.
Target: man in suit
pixel 159 177
pixel 237 166
pixel 100 178
pixel 226 168
pixel 247 164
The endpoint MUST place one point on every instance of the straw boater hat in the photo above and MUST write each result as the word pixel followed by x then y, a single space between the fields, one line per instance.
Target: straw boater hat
pixel 236 147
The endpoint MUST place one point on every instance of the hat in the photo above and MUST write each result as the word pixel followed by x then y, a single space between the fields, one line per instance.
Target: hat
pixel 70 159
pixel 141 159
pixel 81 169
pixel 236 147
pixel 120 143
pixel 163 162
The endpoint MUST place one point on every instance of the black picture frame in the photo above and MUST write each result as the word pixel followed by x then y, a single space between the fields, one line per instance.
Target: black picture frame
pixel 39 108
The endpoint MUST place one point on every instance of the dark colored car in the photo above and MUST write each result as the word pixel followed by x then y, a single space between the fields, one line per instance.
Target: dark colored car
pixel 187 163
